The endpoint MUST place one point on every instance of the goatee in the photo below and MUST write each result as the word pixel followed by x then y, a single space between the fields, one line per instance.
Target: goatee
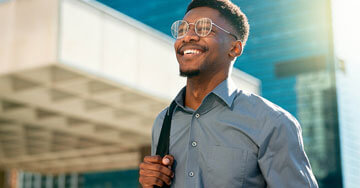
pixel 189 74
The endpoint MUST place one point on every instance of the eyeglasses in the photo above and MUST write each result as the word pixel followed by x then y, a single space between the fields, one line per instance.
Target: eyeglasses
pixel 203 28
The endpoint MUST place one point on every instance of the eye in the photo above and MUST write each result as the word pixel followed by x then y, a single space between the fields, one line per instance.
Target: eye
pixel 202 29
pixel 182 29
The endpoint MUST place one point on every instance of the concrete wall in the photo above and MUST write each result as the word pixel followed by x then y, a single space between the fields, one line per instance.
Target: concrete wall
pixel 28 34
pixel 115 46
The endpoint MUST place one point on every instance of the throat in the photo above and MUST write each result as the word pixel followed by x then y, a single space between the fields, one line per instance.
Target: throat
pixel 194 98
pixel 198 87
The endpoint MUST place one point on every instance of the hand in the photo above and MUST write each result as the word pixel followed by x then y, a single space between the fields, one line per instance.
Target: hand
pixel 155 170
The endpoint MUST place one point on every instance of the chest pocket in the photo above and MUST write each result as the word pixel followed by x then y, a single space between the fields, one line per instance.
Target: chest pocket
pixel 226 167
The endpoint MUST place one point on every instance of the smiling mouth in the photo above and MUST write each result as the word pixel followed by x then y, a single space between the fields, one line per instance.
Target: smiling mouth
pixel 191 50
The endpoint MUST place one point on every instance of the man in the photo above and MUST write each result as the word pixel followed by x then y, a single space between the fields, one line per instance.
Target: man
pixel 221 136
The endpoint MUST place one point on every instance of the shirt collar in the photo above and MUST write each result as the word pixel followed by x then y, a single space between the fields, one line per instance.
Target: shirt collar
pixel 179 99
pixel 226 91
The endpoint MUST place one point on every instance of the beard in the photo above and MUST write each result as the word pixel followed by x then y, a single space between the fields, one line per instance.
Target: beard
pixel 190 73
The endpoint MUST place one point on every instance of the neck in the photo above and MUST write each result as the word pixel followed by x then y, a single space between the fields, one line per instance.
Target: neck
pixel 198 87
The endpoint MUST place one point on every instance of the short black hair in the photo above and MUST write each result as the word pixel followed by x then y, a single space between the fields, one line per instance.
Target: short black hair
pixel 230 12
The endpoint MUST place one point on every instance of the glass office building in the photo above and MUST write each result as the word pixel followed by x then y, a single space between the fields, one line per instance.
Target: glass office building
pixel 290 49
pixel 346 41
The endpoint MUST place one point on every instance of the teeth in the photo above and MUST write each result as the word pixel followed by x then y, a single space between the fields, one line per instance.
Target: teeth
pixel 192 51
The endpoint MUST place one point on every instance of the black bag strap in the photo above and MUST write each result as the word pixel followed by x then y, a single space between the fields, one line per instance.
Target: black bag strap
pixel 162 148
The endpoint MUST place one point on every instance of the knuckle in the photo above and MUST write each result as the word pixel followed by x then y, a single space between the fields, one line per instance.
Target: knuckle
pixel 146 158
pixel 157 158
pixel 141 180
pixel 158 167
pixel 146 182
pixel 141 172
pixel 165 178
pixel 158 182
pixel 157 174
pixel 166 171
pixel 152 181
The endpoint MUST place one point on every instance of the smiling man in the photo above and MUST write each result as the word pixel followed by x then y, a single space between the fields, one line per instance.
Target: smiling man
pixel 221 136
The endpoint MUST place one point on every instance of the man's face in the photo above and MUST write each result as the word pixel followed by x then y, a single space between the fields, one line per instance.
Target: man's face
pixel 206 55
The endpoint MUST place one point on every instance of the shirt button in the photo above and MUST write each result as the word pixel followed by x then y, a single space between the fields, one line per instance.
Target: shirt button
pixel 197 115
pixel 191 174
pixel 194 144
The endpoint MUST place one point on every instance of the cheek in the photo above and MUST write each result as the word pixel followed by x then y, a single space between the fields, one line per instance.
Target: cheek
pixel 176 44
pixel 219 53
pixel 223 47
pixel 219 48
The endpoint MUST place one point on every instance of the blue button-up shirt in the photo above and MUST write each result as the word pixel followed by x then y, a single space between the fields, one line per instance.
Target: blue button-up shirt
pixel 235 139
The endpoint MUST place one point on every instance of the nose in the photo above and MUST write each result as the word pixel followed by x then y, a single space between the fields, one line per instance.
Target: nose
pixel 191 35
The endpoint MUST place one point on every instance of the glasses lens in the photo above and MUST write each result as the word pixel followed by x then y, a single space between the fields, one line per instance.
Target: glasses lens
pixel 179 29
pixel 203 27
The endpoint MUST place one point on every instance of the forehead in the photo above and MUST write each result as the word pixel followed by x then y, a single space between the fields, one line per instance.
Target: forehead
pixel 203 12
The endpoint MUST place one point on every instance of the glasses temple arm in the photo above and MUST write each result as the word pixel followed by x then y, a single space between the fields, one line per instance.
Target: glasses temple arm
pixel 226 31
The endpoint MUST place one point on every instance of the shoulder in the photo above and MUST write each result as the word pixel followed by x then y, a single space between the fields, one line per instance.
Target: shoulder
pixel 156 129
pixel 161 115
pixel 159 119
pixel 258 104
pixel 270 115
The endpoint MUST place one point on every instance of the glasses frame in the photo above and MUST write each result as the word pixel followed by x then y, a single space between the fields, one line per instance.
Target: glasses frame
pixel 197 21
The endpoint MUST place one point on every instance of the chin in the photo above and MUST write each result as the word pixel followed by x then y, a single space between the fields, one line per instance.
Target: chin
pixel 189 73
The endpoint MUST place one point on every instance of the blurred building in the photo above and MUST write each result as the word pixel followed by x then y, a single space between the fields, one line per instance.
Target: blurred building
pixel 291 50
pixel 80 86
pixel 346 47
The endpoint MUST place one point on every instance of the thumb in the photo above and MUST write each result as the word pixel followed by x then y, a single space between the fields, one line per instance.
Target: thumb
pixel 168 160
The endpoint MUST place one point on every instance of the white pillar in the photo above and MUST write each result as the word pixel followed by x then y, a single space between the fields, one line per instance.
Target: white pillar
pixel 20 179
pixel 28 180
pixel 61 181
pixel 49 181
pixel 74 180
pixel 37 181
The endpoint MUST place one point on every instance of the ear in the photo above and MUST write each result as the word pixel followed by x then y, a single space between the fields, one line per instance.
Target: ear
pixel 236 49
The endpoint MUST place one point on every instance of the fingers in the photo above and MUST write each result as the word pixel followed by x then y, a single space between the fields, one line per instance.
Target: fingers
pixel 166 160
pixel 156 175
pixel 153 159
pixel 156 170
pixel 156 167
pixel 149 182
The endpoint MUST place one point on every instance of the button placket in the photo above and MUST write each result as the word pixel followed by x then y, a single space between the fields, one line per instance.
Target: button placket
pixel 192 165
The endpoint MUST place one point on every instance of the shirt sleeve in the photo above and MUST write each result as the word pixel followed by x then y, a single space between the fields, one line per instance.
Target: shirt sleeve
pixel 282 159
